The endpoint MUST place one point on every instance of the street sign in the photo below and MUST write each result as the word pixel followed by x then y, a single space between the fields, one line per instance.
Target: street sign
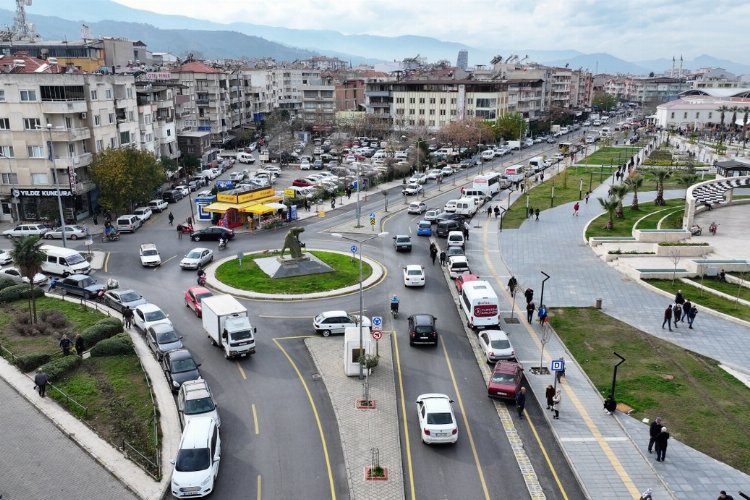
pixel 377 322
pixel 557 365
pixel 372 215
pixel 376 334
pixel 354 249
pixel 372 222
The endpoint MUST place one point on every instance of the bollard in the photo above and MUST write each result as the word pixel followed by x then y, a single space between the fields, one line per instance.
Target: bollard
pixel 598 303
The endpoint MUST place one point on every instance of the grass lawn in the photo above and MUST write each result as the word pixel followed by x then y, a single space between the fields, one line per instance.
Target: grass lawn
pixel 251 277
pixel 81 318
pixel 539 197
pixel 624 226
pixel 610 156
pixel 707 299
pixel 725 287
pixel 115 391
pixel 702 405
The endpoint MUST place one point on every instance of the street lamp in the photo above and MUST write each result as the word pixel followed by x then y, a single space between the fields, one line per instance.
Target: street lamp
pixel 51 157
pixel 361 293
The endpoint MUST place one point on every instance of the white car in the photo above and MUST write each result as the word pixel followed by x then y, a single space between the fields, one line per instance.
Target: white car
pixel 496 346
pixel 414 275
pixel 488 154
pixel 197 258
pixel 304 165
pixel 446 171
pixel 332 322
pixel 417 207
pixel 14 274
pixel 418 178
pixel 183 189
pixel 437 422
pixel 432 214
pixel 26 230
pixel 71 233
pixel 412 189
pixel 5 257
pixel 158 205
pixel 150 255
pixel 143 213
pixel 434 174
pixel 147 315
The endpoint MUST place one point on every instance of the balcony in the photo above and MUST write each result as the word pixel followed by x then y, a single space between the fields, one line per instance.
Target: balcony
pixel 71 134
pixel 202 102
pixel 63 107
pixel 63 162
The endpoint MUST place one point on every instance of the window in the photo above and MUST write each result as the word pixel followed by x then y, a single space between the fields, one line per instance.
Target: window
pixel 111 118
pixel 97 120
pixel 99 145
pixel 10 178
pixel 125 137
pixel 35 151
pixel 697 115
pixel 4 124
pixel 93 95
pixel 2 96
pixel 62 93
pixel 412 100
pixel 421 100
pixel 442 100
pixel 432 111
pixel 31 123
pixel 442 112
pixel 169 132
pixel 453 100
pixel 421 111
pixel 399 111
pixel 112 142
pixel 432 100
pixel 399 100
pixel 130 116
pixel 108 93
pixel 411 111
pixel 672 114
pixel 685 115
pixel 39 179
pixel 130 92
pixel 710 115
pixel 28 95
pixel 85 146
pixel 7 151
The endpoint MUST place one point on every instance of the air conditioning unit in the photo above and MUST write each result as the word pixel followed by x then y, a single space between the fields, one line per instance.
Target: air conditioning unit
pixel 83 116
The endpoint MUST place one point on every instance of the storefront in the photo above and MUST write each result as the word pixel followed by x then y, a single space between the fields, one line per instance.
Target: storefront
pixel 245 208
pixel 41 204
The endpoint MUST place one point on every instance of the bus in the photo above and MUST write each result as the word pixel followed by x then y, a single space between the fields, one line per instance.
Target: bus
pixel 515 173
pixel 480 304
pixel 490 183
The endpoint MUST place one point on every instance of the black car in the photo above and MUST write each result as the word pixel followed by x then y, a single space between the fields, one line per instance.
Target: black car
pixel 81 285
pixel 179 366
pixel 213 233
pixel 449 216
pixel 454 250
pixel 446 226
pixel 402 242
pixel 162 338
pixel 422 329
pixel 172 196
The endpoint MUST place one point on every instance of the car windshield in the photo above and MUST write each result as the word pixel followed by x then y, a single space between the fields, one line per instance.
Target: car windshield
pixel 242 335
pixel 155 315
pixel 167 337
pixel 414 272
pixel 402 239
pixel 195 254
pixel 183 365
pixel 87 282
pixel 439 418
pixel 192 460
pixel 500 344
pixel 150 252
pixel 502 378
pixel 129 297
pixel 75 258
pixel 201 405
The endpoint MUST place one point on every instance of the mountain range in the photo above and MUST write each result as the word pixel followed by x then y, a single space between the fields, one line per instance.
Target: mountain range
pixel 181 35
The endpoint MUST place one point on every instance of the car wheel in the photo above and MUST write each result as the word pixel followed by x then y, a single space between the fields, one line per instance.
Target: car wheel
pixel 186 304
pixel 47 236
pixel 195 238
pixel 326 333
pixel 73 237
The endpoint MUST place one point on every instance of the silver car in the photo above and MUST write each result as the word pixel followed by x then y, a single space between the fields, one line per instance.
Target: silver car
pixel 71 232
pixel 197 258
pixel 120 299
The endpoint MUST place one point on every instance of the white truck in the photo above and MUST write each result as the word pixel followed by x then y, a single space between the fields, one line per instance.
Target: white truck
pixel 228 326
pixel 514 145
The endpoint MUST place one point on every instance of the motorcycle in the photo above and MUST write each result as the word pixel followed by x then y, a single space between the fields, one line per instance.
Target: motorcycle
pixel 394 309
pixel 712 228
pixel 202 280
pixel 222 244
pixel 696 230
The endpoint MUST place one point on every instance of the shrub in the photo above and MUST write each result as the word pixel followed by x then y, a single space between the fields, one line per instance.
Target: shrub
pixel 58 368
pixel 101 330
pixel 19 291
pixel 110 321
pixel 119 344
pixel 5 283
pixel 31 362
pixel 55 319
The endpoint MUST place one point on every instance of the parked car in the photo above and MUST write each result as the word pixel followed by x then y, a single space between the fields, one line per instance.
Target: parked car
pixel 431 214
pixel 414 275
pixel 149 255
pixel 446 171
pixel 197 258
pixel 162 338
pixel 71 233
pixel 302 183
pixel 402 242
pixel 158 205
pixel 335 322
pixel 434 174
pixel 143 213
pixel 172 196
pixel 422 329
pixel 496 346
pixel 212 233
pixel 453 250
pixel 147 315
pixel 196 400
pixel 179 367
pixel 26 230
pixel 81 285
pixel 14 274
pixel 120 299
pixel 193 298
pixel 185 190
pixel 304 165
pixel 5 257
pixel 437 421
pixel 505 381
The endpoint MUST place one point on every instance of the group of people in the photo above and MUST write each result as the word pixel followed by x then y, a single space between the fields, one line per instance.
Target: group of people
pixel 491 210
pixel 681 310
pixel 66 344
pixel 659 438
pixel 554 397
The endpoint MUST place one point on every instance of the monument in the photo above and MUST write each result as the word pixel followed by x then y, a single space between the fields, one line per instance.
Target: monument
pixel 298 263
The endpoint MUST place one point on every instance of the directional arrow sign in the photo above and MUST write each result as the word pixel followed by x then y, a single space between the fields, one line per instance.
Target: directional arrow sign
pixel 376 334
pixel 377 322
pixel 372 215
pixel 354 249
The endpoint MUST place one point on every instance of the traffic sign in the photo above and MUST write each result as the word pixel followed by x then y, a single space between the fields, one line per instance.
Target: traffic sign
pixel 354 248
pixel 377 334
pixel 372 222
pixel 557 365
pixel 377 322
pixel 372 215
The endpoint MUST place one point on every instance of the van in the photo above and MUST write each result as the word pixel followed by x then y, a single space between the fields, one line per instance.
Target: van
pixel 63 261
pixel 245 158
pixel 128 223
pixel 536 164
pixel 457 265
pixel 455 238
pixel 605 132
pixel 172 196
pixel 480 304
pixel 196 465
pixel 466 206
pixel 480 195
pixel 515 173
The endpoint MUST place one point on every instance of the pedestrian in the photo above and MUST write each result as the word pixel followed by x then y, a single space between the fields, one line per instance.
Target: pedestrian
pixel 53 284
pixel 686 308
pixel 542 313
pixel 556 399
pixel 433 252
pixel 662 440
pixel 442 257
pixel 489 211
pixel 667 317
pixel 531 212
pixel 536 212
pixel 575 209
pixel 723 495
pixel 171 218
pixel 549 393
pixel 179 231
pixel 560 373
pixel 691 316
pixel 610 405
pixel 529 294
pixel 80 345
pixel 512 284
pixel 466 231
pixel 677 313
pixel 65 344
pixel 96 222
pixel 497 211
pixel 40 381
pixel 127 316
pixel 723 276
pixel 678 298
pixel 521 402
pixel 530 307
pixel 523 186
pixel 653 431
pixel 587 197
pixel 333 203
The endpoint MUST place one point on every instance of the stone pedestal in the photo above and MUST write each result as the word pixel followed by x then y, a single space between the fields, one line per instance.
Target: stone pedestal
pixel 277 267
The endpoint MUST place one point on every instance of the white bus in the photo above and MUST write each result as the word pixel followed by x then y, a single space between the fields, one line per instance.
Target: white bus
pixel 480 304
pixel 490 183
pixel 515 173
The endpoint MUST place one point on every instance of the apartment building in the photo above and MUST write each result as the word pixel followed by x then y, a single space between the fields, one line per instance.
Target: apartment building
pixel 526 96
pixel 318 106
pixel 156 115
pixel 203 104
pixel 714 78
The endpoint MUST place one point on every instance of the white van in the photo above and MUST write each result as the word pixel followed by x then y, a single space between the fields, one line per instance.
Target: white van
pixel 245 158
pixel 536 164
pixel 480 304
pixel 128 223
pixel 196 465
pixel 479 195
pixel 450 206
pixel 455 239
pixel 515 173
pixel 466 206
pixel 63 261
pixel 457 265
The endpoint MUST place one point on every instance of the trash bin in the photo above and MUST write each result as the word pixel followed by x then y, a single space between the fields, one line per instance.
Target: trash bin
pixel 598 303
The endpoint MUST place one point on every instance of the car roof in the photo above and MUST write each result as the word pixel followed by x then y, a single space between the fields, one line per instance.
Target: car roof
pixel 199 249
pixel 196 389
pixel 496 334
pixel 198 289
pixel 458 258
pixel 403 236
pixel 436 402
pixel 423 318
pixel 196 433
pixel 162 326
pixel 148 307
pixel 328 314
pixel 179 354
pixel 413 266
pixel 507 366
pixel 148 246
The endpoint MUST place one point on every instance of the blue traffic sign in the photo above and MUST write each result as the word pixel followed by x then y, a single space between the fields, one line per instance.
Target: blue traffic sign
pixel 372 215
pixel 377 321
pixel 354 249
pixel 557 365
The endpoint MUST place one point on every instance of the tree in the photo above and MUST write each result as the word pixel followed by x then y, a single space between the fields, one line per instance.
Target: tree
pixel 126 177
pixel 618 193
pixel 170 165
pixel 610 205
pixel 466 132
pixel 604 101
pixel 634 183
pixel 745 116
pixel 510 126
pixel 660 175
pixel 723 110
pixel 687 178
pixel 191 163
pixel 28 257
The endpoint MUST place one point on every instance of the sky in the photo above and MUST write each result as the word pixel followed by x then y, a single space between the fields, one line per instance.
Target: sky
pixel 630 29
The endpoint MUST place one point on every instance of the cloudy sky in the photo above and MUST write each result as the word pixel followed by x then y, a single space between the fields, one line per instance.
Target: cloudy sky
pixel 630 29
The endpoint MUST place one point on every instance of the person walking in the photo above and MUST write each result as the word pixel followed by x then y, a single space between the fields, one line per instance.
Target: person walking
pixel 530 307
pixel 556 400
pixel 536 212
pixel 179 231
pixel 723 495
pixel 610 405
pixel 433 253
pixel 512 284
pixel 677 313
pixel 662 439
pixel 678 298
pixel 691 316
pixel 576 207
pixel 529 294
pixel 442 257
pixel 127 316
pixel 542 313
pixel 653 431
pixel 497 211
pixel 65 344
pixel 466 230
pixel 549 393
pixel 587 197
pixel 40 381
pixel 80 345
pixel 667 317
pixel 521 402
pixel 489 211
pixel 171 218
pixel 531 212
pixel 686 307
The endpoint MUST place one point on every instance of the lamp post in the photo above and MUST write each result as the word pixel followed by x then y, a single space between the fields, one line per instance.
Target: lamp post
pixel 51 157
pixel 361 292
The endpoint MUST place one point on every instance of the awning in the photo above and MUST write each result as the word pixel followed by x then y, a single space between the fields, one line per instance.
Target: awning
pixel 277 206
pixel 221 206
pixel 259 210
pixel 263 201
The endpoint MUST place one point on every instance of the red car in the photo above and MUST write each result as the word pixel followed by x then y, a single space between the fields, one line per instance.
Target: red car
pixel 302 183
pixel 505 381
pixel 193 297
pixel 465 278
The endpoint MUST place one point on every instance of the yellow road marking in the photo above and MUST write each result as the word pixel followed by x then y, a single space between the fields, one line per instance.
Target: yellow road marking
pixel 255 420
pixel 259 495
pixel 317 417
pixel 409 469
pixel 466 424
pixel 546 456
pixel 242 371
pixel 106 262
pixel 292 338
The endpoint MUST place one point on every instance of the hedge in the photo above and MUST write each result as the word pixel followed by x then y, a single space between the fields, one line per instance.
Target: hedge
pixel 119 344
pixel 18 292
pixel 59 367
pixel 31 362
pixel 99 331
pixel 5 283
pixel 111 321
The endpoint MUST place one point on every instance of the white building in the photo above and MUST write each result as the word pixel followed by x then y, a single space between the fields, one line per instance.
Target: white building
pixel 697 109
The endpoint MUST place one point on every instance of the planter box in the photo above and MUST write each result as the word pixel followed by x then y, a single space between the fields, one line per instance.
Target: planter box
pixel 363 404
pixel 660 235
pixel 369 477
pixel 684 251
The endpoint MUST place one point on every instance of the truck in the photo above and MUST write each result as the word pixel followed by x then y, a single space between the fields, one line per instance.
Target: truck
pixel 227 324
pixel 514 145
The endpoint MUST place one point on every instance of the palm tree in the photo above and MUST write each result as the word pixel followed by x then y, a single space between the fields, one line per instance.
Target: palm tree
pixel 618 192
pixel 744 125
pixel 722 109
pixel 28 257
pixel 660 174
pixel 634 183
pixel 687 178
pixel 734 110
pixel 610 205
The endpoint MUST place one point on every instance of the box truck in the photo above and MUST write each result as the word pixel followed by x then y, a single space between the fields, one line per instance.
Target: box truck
pixel 228 326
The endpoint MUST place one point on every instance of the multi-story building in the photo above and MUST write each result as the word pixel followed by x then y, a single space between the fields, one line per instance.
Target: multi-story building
pixel 462 61
pixel 645 89
pixel 714 78
pixel 318 106
pixel 698 108
pixel 156 115
pixel 526 96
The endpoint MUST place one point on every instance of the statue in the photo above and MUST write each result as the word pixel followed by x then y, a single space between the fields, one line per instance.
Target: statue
pixel 291 241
